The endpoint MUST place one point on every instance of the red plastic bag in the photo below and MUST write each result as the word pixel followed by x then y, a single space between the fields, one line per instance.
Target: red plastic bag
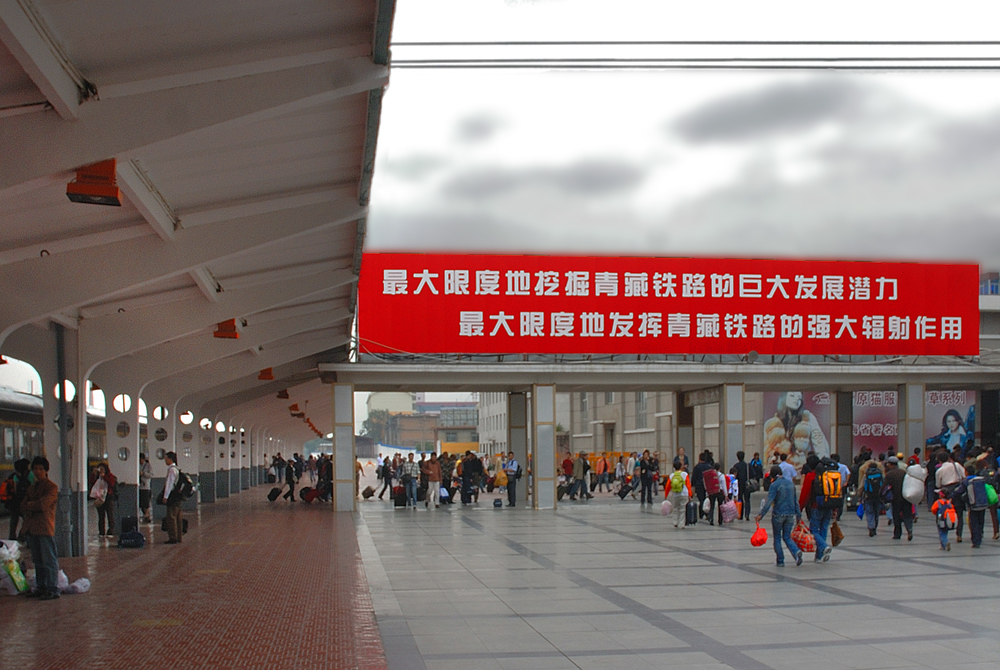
pixel 803 538
pixel 759 537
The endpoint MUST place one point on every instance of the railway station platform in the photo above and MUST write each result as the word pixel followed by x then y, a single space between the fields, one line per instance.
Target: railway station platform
pixel 603 584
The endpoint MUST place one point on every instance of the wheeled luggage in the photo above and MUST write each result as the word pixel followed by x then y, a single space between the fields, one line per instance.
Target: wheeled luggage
pixel 625 490
pixel 421 492
pixel 368 492
pixel 273 495
pixel 691 513
pixel 303 492
pixel 561 491
pixel 310 496
pixel 398 496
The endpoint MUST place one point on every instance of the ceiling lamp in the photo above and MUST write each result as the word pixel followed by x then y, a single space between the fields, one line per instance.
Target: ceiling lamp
pixel 227 330
pixel 96 185
pixel 266 375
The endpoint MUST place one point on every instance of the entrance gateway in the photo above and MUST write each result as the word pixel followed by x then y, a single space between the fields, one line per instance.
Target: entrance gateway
pixel 709 330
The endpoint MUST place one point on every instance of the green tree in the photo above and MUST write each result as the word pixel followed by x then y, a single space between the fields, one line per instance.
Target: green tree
pixel 376 425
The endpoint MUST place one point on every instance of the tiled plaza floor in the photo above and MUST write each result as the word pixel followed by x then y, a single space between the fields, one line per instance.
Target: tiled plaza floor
pixel 606 585
pixel 254 585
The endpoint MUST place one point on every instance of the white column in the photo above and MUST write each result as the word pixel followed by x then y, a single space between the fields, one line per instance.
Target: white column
pixel 344 496
pixel 910 415
pixel 730 423
pixel 543 452
pixel 517 438
pixel 122 439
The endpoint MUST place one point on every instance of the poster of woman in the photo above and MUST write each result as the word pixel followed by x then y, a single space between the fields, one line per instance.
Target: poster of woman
pixel 950 420
pixel 799 426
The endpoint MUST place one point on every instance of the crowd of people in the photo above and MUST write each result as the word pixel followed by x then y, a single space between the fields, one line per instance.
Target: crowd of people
pixel 290 472
pixel 435 480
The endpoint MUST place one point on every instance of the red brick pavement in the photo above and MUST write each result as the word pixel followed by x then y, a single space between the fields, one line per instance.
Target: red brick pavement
pixel 254 585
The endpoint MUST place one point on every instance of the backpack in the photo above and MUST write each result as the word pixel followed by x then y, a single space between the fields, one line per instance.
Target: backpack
pixel 828 489
pixel 517 475
pixel 677 481
pixel 873 483
pixel 8 490
pixel 184 486
pixel 975 492
pixel 946 517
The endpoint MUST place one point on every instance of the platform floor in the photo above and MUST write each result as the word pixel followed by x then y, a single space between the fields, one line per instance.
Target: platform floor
pixel 603 584
pixel 253 585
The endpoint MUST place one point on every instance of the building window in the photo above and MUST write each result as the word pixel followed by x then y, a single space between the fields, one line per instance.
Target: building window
pixel 640 410
pixel 450 436
pixel 584 414
pixel 609 397
pixel 475 437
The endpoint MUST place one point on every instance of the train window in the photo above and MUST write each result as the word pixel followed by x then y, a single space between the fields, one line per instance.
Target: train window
pixel 8 442
pixel 123 429
pixel 70 390
pixel 160 413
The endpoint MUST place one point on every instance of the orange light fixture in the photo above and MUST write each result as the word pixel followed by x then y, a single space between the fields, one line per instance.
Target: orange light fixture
pixel 227 330
pixel 294 407
pixel 266 375
pixel 96 185
pixel 283 394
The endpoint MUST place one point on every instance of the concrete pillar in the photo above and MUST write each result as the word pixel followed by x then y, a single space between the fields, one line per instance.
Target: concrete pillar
pixel 543 452
pixel 204 437
pixel 843 432
pixel 517 439
pixel 910 416
pixel 122 437
pixel 988 411
pixel 243 438
pixel 730 423
pixel 344 454
pixel 157 428
pixel 684 429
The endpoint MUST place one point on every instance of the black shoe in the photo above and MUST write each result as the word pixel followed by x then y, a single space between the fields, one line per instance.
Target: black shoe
pixel 871 532
pixel 49 596
pixel 33 594
pixel 171 542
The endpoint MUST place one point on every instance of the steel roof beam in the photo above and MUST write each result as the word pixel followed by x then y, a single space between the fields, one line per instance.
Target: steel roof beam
pixel 120 334
pixel 45 144
pixel 47 286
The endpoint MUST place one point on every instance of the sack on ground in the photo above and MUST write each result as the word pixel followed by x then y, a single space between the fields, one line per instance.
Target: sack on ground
pixel 836 535
pixel 13 571
pixel 803 538
pixel 729 512
pixel 759 537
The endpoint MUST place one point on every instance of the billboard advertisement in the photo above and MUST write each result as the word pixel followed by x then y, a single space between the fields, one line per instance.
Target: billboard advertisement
pixel 950 420
pixel 875 422
pixel 796 423
pixel 496 304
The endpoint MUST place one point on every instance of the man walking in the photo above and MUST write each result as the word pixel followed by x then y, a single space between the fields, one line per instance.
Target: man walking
pixel 698 481
pixel 902 509
pixel 409 474
pixel 433 482
pixel 39 509
pixel 290 480
pixel 580 467
pixel 171 497
pixel 513 471
pixel 786 511
pixel 601 468
pixel 828 496
pixel 742 472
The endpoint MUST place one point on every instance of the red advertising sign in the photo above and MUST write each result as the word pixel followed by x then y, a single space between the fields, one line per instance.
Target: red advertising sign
pixel 493 304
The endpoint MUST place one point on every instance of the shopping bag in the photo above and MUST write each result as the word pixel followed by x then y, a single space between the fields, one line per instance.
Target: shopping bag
pixel 836 535
pixel 706 505
pixel 861 511
pixel 13 570
pixel 759 537
pixel 803 538
pixel 99 492
pixel 666 508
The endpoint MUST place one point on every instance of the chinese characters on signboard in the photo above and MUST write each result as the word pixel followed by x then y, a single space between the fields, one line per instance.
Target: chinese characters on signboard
pixel 533 304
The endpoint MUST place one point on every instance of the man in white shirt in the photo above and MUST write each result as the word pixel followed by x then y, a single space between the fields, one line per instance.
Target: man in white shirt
pixel 173 500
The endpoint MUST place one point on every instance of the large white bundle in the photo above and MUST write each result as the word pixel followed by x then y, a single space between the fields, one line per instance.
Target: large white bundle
pixel 913 489
pixel 917 471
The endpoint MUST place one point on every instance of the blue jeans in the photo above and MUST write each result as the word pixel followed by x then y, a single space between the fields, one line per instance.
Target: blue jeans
pixel 819 525
pixel 943 536
pixel 411 492
pixel 781 528
pixel 578 484
pixel 872 511
pixel 602 480
pixel 43 555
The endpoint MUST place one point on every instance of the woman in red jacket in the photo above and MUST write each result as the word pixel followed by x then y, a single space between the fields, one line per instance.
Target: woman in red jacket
pixel 806 500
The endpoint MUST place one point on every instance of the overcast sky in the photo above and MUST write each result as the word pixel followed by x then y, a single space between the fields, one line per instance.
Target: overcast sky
pixel 887 165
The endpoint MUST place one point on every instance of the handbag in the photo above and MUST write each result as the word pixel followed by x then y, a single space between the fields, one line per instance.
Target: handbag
pixel 803 538
pixel 836 535
pixel 759 537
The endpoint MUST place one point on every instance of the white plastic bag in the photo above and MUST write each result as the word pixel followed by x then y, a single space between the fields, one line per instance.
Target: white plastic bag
pixel 62 581
pixel 81 585
pixel 12 548
pixel 444 493
pixel 6 584
pixel 913 489
pixel 917 471
pixel 706 506
pixel 99 491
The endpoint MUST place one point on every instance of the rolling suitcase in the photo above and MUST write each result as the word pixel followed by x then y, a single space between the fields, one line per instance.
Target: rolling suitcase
pixel 625 490
pixel 421 493
pixel 273 495
pixel 398 496
pixel 303 492
pixel 691 513
pixel 310 496
pixel 561 491
pixel 368 492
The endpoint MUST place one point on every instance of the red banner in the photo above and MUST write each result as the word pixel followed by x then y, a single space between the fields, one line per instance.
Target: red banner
pixel 437 303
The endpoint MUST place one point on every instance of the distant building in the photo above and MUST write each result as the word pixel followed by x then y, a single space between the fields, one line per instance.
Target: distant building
pixel 493 422
pixel 413 430
pixel 390 401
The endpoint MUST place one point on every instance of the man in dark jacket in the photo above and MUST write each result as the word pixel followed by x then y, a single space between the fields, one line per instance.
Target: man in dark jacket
pixel 21 483
pixel 39 508
pixel 902 509
pixel 742 472
pixel 697 480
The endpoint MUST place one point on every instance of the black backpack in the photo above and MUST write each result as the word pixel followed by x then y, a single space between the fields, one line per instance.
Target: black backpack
pixel 873 483
pixel 184 486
